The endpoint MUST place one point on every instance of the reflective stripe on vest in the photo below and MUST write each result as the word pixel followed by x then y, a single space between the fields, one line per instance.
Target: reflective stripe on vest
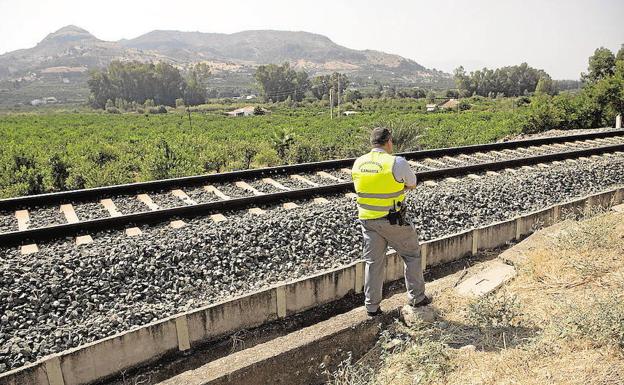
pixel 385 209
pixel 373 195
pixel 378 192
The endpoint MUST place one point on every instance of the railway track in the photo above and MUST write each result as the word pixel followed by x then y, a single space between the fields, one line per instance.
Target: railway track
pixel 36 218
pixel 66 296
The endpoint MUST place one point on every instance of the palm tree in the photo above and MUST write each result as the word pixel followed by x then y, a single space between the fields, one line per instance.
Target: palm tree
pixel 405 135
pixel 281 140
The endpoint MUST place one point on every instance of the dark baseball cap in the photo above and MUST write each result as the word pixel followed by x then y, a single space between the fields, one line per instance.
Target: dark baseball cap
pixel 380 136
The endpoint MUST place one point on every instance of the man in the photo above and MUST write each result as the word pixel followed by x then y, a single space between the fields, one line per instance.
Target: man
pixel 380 181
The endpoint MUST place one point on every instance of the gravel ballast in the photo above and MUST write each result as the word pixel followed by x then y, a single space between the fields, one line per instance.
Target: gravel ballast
pixel 232 190
pixel 292 183
pixel 165 199
pixel 8 222
pixel 90 210
pixel 46 216
pixel 200 195
pixel 315 178
pixel 129 204
pixel 264 187
pixel 64 295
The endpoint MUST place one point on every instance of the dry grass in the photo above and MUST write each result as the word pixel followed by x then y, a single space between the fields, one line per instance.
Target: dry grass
pixel 561 321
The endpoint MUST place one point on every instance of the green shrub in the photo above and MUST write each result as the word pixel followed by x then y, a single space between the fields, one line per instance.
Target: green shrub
pixel 161 162
pixel 494 311
pixel 266 157
pixel 213 159
pixel 60 173
pixel 158 110
pixel 304 153
pixel 464 105
pixel 602 322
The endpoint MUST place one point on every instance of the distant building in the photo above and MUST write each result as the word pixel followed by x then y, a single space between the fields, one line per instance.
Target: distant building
pixel 450 104
pixel 431 107
pixel 42 101
pixel 247 111
pixel 349 113
pixel 249 97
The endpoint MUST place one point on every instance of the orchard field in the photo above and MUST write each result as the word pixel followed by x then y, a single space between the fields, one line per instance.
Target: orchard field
pixel 56 149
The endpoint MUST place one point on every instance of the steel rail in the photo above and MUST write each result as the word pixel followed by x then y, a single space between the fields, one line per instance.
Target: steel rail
pixel 71 229
pixel 133 188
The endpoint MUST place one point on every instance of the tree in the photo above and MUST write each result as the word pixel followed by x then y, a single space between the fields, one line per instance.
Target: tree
pixel 170 84
pixel 136 82
pixel 321 85
pixel 279 82
pixel 462 81
pixel 389 92
pixel 302 85
pixel 545 86
pixel 452 93
pixel 416 93
pixel 563 85
pixel 601 65
pixel 196 84
pixel 609 93
pixel 101 87
pixel 508 81
pixel 620 55
pixel 351 96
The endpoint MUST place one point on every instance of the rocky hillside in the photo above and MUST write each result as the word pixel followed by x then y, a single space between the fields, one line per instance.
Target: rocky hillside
pixel 70 48
pixel 311 51
pixel 67 54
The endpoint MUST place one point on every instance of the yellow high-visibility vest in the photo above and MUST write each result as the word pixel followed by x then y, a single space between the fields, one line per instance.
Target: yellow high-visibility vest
pixel 377 190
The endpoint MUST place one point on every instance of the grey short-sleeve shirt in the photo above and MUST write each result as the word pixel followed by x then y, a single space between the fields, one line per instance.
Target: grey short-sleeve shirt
pixel 401 170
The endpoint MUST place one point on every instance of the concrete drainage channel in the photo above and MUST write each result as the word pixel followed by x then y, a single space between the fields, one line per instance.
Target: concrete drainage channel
pixel 303 348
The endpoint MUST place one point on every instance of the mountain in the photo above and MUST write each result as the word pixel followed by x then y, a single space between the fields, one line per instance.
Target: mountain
pixel 304 49
pixel 66 56
pixel 70 46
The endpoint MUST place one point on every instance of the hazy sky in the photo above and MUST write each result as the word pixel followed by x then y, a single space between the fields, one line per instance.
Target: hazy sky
pixel 556 35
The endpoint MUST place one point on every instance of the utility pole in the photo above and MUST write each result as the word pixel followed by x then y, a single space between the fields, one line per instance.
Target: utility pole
pixel 338 115
pixel 331 103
